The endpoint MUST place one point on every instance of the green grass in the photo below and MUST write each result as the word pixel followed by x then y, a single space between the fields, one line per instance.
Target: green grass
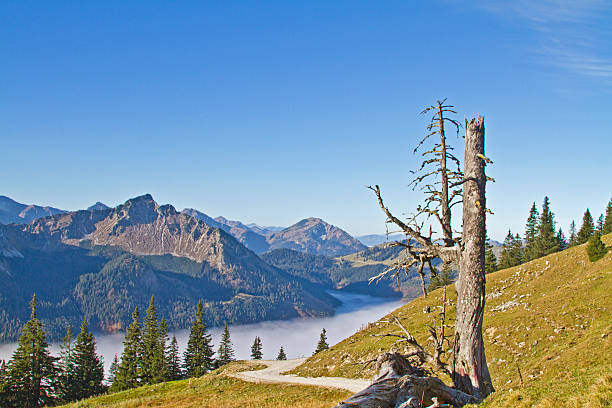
pixel 556 328
pixel 218 390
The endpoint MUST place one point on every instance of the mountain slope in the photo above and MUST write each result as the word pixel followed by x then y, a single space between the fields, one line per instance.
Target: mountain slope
pixel 101 264
pixel 549 317
pixel 315 236
pixel 13 212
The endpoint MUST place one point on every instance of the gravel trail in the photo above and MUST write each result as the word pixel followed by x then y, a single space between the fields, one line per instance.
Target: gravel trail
pixel 273 373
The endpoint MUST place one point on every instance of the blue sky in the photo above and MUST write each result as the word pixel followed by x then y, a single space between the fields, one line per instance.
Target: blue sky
pixel 270 112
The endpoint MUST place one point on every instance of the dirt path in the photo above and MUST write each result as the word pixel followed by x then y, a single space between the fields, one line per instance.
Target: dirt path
pixel 273 374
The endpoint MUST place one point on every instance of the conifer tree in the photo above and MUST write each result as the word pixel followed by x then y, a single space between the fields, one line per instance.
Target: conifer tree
pixel 112 373
pixel 174 361
pixel 150 345
pixel 66 375
pixel 30 375
pixel 572 236
pixel 88 366
pixel 587 228
pixel 281 354
pixel 256 353
pixel 198 358
pixel 225 354
pixel 561 240
pixel 161 356
pixel 546 241
pixel 512 254
pixel 445 277
pixel 128 372
pixel 490 258
pixel 596 248
pixel 600 223
pixel 322 344
pixel 607 227
pixel 531 233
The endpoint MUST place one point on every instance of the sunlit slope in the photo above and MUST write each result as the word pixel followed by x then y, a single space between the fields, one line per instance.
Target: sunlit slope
pixel 217 390
pixel 550 318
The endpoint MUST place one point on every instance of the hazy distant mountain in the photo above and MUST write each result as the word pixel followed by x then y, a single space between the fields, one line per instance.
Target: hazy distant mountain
pixel 264 230
pixel 315 236
pixel 101 264
pixel 13 212
pixel 252 240
pixel 376 239
pixel 98 206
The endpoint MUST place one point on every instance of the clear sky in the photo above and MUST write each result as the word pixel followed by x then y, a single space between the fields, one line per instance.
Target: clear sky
pixel 270 112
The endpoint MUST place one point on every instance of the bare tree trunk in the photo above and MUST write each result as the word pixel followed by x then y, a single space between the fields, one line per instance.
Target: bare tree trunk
pixel 445 204
pixel 470 371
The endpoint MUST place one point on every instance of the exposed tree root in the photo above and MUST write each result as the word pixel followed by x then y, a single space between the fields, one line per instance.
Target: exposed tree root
pixel 401 385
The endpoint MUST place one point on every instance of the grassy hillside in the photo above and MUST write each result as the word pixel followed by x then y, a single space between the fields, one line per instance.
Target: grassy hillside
pixel 218 390
pixel 550 318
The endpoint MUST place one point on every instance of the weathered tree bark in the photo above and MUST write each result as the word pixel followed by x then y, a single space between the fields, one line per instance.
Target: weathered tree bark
pixel 401 385
pixel 470 371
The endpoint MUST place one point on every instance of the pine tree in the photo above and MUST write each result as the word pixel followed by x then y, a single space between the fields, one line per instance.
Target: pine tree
pixel 322 344
pixel 490 258
pixel 546 241
pixel 531 232
pixel 607 227
pixel 128 372
pixel 281 354
pixel 198 358
pixel 600 223
pixel 596 248
pixel 112 374
pixel 445 277
pixel 4 401
pixel 561 240
pixel 88 366
pixel 66 375
pixel 161 356
pixel 30 375
pixel 150 345
pixel 225 354
pixel 587 228
pixel 512 254
pixel 174 361
pixel 572 237
pixel 256 353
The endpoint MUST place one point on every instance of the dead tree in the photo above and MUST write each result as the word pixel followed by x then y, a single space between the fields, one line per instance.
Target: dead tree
pixel 468 370
pixel 442 190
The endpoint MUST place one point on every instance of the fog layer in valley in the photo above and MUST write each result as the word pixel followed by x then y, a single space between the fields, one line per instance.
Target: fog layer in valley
pixel 298 337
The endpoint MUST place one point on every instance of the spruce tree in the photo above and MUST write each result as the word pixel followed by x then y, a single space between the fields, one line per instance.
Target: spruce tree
pixel 546 241
pixel 225 354
pixel 88 366
pixel 587 228
pixel 322 344
pixel 607 227
pixel 531 232
pixel 174 361
pixel 512 254
pixel 490 259
pixel 281 354
pixel 596 248
pixel 66 374
pixel 561 240
pixel 572 236
pixel 256 353
pixel 198 358
pixel 161 356
pixel 112 373
pixel 150 345
pixel 445 277
pixel 30 375
pixel 600 223
pixel 128 372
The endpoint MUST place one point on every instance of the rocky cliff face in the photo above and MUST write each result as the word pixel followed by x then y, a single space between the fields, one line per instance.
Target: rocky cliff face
pixel 315 236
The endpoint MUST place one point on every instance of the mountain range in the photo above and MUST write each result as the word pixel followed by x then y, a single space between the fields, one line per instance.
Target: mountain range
pixel 13 212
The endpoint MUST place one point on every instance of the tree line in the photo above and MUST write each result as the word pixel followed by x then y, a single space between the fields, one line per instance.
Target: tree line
pixel 541 238
pixel 34 378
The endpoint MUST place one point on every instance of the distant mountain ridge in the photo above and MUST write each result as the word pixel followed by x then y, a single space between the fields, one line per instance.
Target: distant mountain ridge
pixel 100 264
pixel 12 212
